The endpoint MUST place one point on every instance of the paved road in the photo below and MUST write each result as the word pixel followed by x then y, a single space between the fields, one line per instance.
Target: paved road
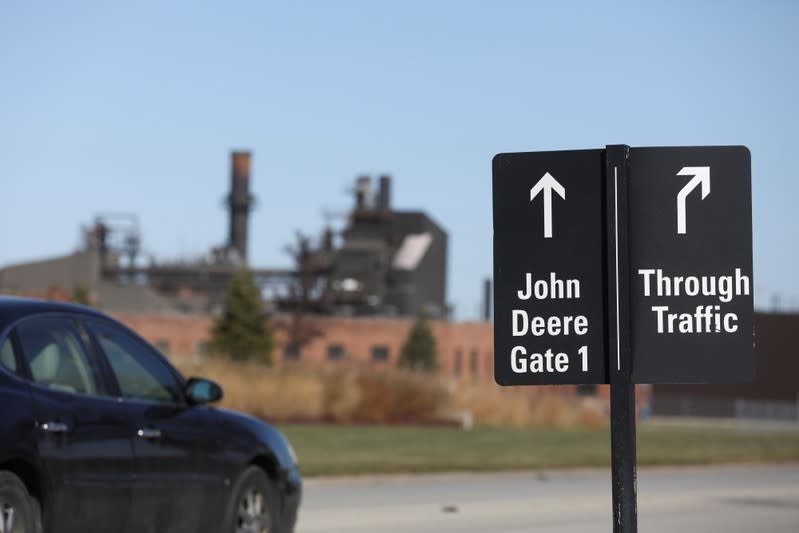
pixel 744 499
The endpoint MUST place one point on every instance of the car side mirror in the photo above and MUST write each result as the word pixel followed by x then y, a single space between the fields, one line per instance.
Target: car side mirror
pixel 200 391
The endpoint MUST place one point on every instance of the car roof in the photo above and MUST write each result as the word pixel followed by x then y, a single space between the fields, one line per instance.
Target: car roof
pixel 13 308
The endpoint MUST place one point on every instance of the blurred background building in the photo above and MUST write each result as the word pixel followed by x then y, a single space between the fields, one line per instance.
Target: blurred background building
pixel 385 262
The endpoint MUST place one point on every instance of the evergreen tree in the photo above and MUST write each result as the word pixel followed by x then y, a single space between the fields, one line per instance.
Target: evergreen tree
pixel 80 294
pixel 241 332
pixel 419 350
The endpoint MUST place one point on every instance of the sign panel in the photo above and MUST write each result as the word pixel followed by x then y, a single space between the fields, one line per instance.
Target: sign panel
pixel 691 289
pixel 549 268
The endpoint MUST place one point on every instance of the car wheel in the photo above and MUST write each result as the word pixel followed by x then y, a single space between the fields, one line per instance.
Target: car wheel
pixel 253 505
pixel 16 507
pixel 37 515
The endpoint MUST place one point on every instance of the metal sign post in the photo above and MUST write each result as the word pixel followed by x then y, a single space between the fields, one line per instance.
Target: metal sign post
pixel 623 458
pixel 622 390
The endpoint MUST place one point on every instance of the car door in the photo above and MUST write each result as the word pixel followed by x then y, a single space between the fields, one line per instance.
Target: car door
pixel 84 439
pixel 179 469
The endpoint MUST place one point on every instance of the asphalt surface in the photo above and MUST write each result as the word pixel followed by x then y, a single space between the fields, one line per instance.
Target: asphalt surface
pixel 745 499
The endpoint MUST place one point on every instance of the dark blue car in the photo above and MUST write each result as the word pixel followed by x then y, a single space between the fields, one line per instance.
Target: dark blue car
pixel 98 432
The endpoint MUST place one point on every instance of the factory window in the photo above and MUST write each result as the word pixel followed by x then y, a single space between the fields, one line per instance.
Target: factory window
pixel 380 353
pixel 162 345
pixel 457 363
pixel 473 362
pixel 335 352
pixel 291 352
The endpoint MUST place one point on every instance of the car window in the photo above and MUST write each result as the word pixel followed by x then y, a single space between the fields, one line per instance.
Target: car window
pixel 7 356
pixel 140 374
pixel 56 356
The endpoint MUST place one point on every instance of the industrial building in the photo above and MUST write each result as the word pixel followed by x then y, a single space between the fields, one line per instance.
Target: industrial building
pixel 388 263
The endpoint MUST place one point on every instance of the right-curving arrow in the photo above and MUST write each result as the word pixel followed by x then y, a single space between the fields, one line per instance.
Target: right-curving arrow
pixel 701 175
pixel 547 184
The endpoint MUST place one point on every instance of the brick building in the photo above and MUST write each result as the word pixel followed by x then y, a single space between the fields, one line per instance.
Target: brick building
pixel 465 351
pixel 464 348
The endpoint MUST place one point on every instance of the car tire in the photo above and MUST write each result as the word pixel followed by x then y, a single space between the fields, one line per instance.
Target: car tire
pixel 38 526
pixel 17 513
pixel 254 504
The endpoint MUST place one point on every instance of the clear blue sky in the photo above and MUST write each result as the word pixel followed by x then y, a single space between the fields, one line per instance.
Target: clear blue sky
pixel 135 106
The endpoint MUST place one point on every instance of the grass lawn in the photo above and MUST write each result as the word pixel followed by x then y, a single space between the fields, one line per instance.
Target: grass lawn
pixel 326 450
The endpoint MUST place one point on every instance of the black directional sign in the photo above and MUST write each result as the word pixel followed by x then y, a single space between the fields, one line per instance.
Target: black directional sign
pixel 623 265
pixel 690 222
pixel 549 268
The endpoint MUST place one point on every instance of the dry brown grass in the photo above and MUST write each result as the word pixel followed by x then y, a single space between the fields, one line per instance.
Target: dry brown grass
pixel 285 393
pixel 493 405
pixel 364 394
pixel 340 394
pixel 399 396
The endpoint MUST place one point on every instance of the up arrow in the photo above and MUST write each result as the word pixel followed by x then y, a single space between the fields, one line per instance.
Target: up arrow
pixel 547 184
pixel 701 175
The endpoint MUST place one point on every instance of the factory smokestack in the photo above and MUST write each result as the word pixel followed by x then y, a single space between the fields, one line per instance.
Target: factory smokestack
pixel 384 193
pixel 240 202
pixel 363 193
pixel 487 296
